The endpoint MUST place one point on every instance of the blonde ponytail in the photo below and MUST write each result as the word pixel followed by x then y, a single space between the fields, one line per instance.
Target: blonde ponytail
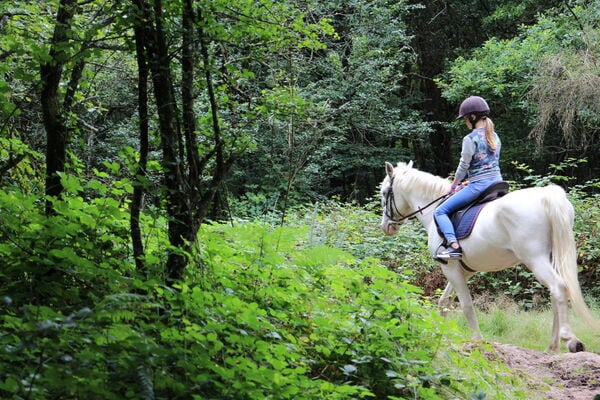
pixel 489 134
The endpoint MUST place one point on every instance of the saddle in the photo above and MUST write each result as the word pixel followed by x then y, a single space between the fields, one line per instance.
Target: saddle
pixel 464 218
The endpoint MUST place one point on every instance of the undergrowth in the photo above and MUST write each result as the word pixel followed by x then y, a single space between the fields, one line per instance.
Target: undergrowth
pixel 265 312
pixel 323 306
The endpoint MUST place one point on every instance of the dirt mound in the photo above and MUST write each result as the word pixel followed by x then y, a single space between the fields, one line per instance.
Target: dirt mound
pixel 564 376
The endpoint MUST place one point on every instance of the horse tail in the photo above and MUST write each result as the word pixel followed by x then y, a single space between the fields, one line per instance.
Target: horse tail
pixel 564 252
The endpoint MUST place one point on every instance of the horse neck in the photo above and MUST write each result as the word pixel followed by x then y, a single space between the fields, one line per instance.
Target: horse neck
pixel 422 188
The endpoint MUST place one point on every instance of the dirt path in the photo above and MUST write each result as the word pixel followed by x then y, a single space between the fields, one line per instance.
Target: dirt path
pixel 564 376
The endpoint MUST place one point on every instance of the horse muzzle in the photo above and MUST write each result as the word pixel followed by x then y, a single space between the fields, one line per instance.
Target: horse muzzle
pixel 389 227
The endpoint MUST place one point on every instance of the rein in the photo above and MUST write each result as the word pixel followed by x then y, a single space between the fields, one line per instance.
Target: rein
pixel 390 196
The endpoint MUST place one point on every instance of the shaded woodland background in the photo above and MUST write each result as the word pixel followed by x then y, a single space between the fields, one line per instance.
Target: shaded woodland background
pixel 209 103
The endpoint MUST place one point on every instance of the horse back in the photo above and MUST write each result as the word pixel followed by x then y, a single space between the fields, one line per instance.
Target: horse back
pixel 512 227
pixel 531 202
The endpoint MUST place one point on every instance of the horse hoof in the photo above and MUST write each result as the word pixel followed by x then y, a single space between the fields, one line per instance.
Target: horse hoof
pixel 575 346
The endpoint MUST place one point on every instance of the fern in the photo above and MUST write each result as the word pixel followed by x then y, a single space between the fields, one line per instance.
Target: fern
pixel 146 384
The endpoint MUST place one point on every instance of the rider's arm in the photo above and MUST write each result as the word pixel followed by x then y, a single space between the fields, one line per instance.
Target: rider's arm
pixel 466 155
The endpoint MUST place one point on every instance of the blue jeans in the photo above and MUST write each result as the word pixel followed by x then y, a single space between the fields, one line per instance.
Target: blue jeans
pixel 455 202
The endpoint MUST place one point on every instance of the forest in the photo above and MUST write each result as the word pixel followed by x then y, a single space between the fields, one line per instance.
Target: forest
pixel 189 189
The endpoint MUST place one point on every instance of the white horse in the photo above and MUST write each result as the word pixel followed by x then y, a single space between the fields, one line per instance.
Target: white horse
pixel 531 226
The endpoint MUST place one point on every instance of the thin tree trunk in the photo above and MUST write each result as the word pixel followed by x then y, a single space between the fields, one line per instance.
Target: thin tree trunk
pixel 159 63
pixel 138 188
pixel 187 199
pixel 187 90
pixel 54 123
pixel 222 165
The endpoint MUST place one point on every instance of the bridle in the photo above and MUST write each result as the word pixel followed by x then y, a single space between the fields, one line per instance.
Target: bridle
pixel 391 209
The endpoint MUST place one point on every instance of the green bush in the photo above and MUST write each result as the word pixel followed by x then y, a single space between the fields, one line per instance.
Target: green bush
pixel 264 312
pixel 587 235
pixel 71 257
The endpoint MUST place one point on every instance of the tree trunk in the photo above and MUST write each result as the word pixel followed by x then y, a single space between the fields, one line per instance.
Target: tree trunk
pixel 139 183
pixel 222 163
pixel 159 63
pixel 54 123
pixel 187 90
pixel 188 198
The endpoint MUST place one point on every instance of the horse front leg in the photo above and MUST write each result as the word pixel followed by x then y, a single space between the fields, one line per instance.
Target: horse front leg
pixel 457 280
pixel 444 301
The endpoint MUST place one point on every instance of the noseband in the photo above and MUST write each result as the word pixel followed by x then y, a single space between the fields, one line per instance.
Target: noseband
pixel 391 209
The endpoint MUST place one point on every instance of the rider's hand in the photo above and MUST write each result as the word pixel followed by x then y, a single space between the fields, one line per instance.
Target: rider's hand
pixel 455 188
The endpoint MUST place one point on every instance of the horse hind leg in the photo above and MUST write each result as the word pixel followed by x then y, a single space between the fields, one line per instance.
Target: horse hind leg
pixel 561 330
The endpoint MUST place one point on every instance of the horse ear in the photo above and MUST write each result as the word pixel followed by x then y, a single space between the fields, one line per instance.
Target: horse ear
pixel 409 165
pixel 389 169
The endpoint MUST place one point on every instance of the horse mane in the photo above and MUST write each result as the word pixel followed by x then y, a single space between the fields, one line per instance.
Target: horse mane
pixel 423 182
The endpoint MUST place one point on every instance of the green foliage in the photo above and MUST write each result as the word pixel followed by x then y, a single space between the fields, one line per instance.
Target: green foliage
pixel 89 353
pixel 500 67
pixel 342 225
pixel 541 84
pixel 356 328
pixel 564 90
pixel 353 114
pixel 265 312
pixel 323 306
pixel 81 247
pixel 20 165
pixel 587 234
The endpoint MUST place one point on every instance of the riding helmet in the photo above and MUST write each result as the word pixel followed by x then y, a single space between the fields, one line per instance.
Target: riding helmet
pixel 473 105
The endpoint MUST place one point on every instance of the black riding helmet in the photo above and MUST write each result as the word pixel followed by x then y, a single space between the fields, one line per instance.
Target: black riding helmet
pixel 473 105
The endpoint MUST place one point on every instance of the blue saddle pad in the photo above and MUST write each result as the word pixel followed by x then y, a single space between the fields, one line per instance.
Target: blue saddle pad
pixel 464 220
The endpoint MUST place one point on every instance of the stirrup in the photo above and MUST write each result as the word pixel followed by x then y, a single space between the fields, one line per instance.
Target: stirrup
pixel 450 253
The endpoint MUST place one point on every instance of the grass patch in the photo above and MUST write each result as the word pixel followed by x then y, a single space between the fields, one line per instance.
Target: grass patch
pixel 503 321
